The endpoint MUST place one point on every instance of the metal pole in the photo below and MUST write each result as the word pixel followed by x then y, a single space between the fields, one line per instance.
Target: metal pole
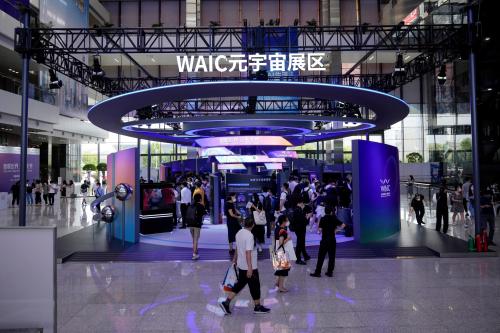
pixel 474 126
pixel 123 223
pixel 149 160
pixel 24 129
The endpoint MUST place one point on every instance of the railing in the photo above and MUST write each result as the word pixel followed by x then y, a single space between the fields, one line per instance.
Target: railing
pixel 13 85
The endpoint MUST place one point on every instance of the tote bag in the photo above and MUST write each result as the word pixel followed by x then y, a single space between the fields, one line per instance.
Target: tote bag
pixel 259 217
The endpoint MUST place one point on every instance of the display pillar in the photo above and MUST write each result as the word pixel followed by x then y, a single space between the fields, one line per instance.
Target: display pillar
pixel 123 167
pixel 376 197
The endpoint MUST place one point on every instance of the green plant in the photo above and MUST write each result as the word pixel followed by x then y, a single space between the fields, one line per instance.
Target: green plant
pixel 414 158
pixel 103 167
pixel 89 167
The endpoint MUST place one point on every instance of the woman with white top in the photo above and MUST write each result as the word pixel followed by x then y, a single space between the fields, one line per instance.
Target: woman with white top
pixel 53 188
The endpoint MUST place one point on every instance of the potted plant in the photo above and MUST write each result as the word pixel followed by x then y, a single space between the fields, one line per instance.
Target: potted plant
pixel 102 167
pixel 89 168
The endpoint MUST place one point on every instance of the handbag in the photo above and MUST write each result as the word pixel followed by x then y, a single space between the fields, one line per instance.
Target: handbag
pixel 259 217
pixel 280 259
pixel 230 278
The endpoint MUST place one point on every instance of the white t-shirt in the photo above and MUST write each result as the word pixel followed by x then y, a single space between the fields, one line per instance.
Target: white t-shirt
pixel 185 196
pixel 245 242
pixel 292 184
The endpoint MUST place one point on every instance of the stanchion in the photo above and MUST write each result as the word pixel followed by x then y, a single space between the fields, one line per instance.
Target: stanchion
pixel 123 223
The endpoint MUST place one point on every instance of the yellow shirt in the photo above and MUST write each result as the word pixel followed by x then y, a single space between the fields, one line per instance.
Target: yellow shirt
pixel 201 192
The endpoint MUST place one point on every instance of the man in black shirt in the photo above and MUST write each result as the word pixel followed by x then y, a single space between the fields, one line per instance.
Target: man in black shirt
pixel 301 215
pixel 487 214
pixel 327 226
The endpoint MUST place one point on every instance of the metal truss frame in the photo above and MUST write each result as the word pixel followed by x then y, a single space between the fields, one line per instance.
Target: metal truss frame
pixel 55 48
pixel 241 39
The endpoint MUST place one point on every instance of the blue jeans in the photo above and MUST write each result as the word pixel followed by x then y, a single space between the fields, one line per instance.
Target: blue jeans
pixel 470 208
pixel 29 198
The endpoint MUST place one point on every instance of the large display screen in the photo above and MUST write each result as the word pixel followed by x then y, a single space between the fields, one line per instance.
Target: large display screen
pixel 249 159
pixel 273 166
pixel 231 166
pixel 243 183
pixel 375 190
pixel 155 197
pixel 214 151
pixel 283 153
pixel 238 141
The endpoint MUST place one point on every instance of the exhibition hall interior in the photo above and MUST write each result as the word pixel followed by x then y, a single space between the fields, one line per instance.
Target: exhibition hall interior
pixel 339 157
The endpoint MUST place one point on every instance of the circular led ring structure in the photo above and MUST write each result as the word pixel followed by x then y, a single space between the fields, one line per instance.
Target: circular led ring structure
pixel 108 114
pixel 123 191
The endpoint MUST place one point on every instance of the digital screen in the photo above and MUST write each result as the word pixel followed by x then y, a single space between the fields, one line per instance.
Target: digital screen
pixel 249 159
pixel 375 190
pixel 273 166
pixel 231 166
pixel 156 197
pixel 283 153
pixel 237 141
pixel 214 151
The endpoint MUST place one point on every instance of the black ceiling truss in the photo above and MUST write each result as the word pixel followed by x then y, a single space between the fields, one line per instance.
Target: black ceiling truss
pixel 211 107
pixel 244 39
pixel 55 48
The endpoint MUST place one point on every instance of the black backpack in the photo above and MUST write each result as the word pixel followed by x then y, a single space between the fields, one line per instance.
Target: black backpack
pixel 191 216
pixel 288 201
pixel 305 195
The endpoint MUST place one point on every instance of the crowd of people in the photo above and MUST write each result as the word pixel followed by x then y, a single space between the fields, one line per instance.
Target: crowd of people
pixel 296 207
pixel 459 201
pixel 38 190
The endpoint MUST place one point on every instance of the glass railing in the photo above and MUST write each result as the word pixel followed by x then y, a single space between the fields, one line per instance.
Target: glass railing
pixel 14 85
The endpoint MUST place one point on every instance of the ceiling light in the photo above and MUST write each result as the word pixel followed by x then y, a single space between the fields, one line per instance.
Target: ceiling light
pixel 97 72
pixel 489 89
pixel 399 68
pixel 371 58
pixel 153 59
pixel 55 83
pixel 407 57
pixel 116 60
pixel 487 39
pixel 441 77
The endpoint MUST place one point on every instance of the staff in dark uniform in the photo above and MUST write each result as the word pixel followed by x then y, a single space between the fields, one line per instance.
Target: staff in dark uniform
pixel 327 226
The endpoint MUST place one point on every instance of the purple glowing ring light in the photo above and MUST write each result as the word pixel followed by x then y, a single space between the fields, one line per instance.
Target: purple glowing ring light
pixel 108 114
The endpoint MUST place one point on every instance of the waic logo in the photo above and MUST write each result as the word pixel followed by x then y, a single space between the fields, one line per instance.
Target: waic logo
pixel 385 188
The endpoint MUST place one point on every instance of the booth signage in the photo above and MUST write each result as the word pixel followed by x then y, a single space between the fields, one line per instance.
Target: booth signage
pixel 242 63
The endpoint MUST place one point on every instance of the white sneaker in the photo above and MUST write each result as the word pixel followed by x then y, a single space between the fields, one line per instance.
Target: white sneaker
pixel 259 248
pixel 195 256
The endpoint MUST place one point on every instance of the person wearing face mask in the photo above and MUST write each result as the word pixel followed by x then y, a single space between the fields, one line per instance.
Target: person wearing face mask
pixel 232 218
pixel 301 216
pixel 281 237
pixel 327 226
pixel 418 206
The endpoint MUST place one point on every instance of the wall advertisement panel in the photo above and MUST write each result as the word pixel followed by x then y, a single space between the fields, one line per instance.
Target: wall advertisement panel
pixel 10 160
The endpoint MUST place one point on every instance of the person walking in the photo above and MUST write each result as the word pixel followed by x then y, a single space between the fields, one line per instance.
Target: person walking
pixel 185 202
pixel 70 190
pixel 29 193
pixel 194 220
pixel 63 189
pixel 84 189
pixel 268 208
pixel 259 231
pixel 328 227
pixel 245 260
pixel 232 221
pixel 418 207
pixel 98 192
pixel 45 189
pixel 53 188
pixel 442 210
pixel 301 215
pixel 38 192
pixel 15 189
pixel 281 237
pixel 199 190
pixel 409 184
pixel 467 193
pixel 457 205
pixel 487 214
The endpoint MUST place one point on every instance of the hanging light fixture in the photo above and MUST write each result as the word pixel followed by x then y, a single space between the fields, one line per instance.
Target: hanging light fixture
pixel 399 68
pixel 55 83
pixel 441 77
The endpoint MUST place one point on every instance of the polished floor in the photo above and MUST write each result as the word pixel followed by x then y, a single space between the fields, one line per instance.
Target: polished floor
pixel 68 215
pixel 375 295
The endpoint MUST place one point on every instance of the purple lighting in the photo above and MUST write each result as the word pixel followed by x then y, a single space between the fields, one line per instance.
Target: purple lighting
pixel 238 141
pixel 283 153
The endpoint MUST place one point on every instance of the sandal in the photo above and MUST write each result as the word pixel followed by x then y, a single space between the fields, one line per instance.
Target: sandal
pixel 284 290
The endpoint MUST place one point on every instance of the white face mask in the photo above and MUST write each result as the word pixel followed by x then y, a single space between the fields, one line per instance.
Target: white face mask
pixel 287 224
